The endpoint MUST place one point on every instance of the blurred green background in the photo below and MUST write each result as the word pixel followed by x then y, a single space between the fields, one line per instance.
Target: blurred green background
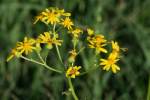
pixel 127 21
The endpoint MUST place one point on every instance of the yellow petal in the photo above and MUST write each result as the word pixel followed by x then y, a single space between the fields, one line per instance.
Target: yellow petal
pixel 72 76
pixel 9 58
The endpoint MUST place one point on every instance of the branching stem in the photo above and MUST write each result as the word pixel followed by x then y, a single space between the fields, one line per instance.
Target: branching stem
pixel 43 64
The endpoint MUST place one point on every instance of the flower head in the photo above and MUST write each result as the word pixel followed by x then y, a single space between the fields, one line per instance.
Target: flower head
pixel 50 16
pixel 98 42
pixel 26 46
pixel 72 72
pixel 67 23
pixel 110 63
pixel 76 32
pixel 46 38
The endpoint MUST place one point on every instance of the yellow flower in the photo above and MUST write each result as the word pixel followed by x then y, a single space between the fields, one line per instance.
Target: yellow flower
pixel 110 63
pixel 72 72
pixel 98 42
pixel 76 32
pixel 47 39
pixel 49 16
pixel 72 56
pixel 14 52
pixel 90 31
pixel 67 23
pixel 26 46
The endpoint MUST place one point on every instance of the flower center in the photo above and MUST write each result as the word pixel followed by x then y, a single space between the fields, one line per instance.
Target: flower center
pixel 73 71
pixel 111 61
pixel 52 17
pixel 27 45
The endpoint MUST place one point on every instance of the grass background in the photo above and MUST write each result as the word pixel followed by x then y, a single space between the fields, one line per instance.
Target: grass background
pixel 127 21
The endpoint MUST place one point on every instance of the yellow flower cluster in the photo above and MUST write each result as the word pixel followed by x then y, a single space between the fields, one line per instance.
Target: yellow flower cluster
pixel 60 21
pixel 98 42
pixel 110 62
pixel 52 16
pixel 30 44
pixel 55 17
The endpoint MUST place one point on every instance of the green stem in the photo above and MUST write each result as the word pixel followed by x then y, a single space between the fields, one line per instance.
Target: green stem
pixel 81 50
pixel 39 55
pixel 43 64
pixel 58 52
pixel 72 89
pixel 31 60
pixel 60 58
pixel 54 27
pixel 57 49
pixel 148 90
